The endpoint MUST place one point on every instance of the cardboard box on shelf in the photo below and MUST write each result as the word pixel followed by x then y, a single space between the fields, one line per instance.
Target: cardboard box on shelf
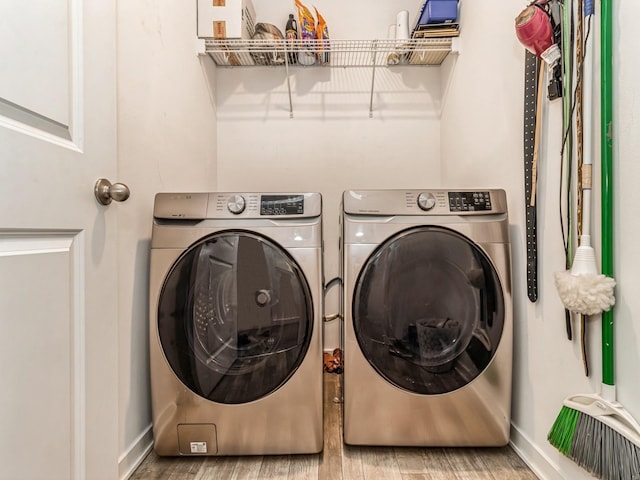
pixel 232 19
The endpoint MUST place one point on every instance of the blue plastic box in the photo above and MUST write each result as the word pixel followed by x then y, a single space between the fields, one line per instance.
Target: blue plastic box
pixel 439 11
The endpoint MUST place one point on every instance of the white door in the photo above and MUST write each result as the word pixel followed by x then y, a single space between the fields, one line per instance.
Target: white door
pixel 58 325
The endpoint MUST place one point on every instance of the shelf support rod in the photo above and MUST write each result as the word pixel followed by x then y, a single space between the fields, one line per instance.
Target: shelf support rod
pixel 373 77
pixel 286 66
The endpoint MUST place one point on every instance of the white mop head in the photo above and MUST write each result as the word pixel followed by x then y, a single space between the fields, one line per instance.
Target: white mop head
pixel 582 289
pixel 585 293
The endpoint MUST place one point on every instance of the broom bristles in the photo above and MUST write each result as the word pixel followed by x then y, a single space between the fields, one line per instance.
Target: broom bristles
pixel 595 446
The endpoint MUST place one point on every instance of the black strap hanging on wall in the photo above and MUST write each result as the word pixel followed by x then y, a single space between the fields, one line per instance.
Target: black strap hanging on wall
pixel 532 71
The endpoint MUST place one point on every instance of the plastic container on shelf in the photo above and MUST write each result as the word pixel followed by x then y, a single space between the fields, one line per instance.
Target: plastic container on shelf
pixel 439 11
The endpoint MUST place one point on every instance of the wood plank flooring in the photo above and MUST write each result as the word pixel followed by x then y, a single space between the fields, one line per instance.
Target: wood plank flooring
pixel 343 462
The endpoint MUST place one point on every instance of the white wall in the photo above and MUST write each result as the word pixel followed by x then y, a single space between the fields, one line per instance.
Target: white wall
pixel 459 125
pixel 167 138
pixel 330 145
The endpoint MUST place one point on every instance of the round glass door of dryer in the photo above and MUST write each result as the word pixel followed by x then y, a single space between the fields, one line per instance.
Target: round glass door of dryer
pixel 428 310
pixel 235 317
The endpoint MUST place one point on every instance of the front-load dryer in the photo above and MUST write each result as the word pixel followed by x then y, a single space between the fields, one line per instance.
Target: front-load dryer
pixel 235 323
pixel 427 333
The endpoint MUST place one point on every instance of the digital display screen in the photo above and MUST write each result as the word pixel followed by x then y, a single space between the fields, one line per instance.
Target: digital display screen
pixel 469 201
pixel 282 205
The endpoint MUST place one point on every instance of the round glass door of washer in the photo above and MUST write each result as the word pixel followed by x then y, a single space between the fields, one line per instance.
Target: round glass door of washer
pixel 428 310
pixel 235 317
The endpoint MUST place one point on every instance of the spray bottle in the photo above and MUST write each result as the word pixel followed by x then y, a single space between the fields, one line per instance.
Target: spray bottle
pixel 291 34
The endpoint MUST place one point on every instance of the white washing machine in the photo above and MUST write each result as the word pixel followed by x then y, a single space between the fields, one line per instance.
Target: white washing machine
pixel 236 323
pixel 427 308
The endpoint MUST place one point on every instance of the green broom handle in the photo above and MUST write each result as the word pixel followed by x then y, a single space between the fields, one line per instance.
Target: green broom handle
pixel 606 66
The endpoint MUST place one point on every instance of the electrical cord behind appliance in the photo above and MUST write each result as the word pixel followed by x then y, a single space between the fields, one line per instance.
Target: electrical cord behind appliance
pixel 333 362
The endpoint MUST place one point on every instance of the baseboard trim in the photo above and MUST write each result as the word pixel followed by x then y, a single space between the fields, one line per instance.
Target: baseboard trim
pixel 536 460
pixel 135 454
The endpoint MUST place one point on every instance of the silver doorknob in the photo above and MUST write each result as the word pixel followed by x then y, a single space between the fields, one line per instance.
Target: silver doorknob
pixel 105 191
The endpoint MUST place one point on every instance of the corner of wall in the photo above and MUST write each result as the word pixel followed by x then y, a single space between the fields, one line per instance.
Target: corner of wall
pixel 533 456
pixel 135 454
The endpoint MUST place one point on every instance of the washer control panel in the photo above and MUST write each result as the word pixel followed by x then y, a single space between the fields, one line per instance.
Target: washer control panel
pixel 242 205
pixel 264 205
pixel 469 201
pixel 270 205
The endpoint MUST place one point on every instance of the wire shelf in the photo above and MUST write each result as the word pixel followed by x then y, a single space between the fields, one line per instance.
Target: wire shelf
pixel 328 53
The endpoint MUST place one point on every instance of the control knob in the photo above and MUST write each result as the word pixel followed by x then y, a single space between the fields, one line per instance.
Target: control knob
pixel 236 204
pixel 426 201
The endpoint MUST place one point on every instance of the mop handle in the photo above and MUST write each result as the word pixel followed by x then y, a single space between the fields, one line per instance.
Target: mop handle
pixel 606 69
pixel 586 79
pixel 579 97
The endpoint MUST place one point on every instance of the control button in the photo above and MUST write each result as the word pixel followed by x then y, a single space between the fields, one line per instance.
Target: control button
pixel 426 201
pixel 236 204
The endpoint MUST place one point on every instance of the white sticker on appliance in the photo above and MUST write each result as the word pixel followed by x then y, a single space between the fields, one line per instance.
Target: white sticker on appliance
pixel 198 447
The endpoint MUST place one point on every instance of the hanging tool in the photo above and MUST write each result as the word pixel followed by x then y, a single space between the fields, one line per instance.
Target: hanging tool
pixel 566 153
pixel 531 93
pixel 535 31
pixel 595 430
pixel 582 289
pixel 555 84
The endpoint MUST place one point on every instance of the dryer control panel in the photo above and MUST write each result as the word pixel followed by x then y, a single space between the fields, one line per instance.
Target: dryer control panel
pixel 424 202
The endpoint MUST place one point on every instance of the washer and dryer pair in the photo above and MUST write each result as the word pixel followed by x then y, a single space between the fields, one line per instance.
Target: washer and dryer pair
pixel 236 310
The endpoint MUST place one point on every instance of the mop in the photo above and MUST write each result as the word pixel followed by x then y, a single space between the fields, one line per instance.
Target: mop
pixel 582 289
pixel 594 430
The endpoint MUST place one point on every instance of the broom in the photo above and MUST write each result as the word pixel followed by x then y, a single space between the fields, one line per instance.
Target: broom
pixel 594 429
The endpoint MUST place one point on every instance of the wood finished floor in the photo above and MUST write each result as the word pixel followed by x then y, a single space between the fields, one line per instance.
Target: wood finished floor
pixel 342 462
